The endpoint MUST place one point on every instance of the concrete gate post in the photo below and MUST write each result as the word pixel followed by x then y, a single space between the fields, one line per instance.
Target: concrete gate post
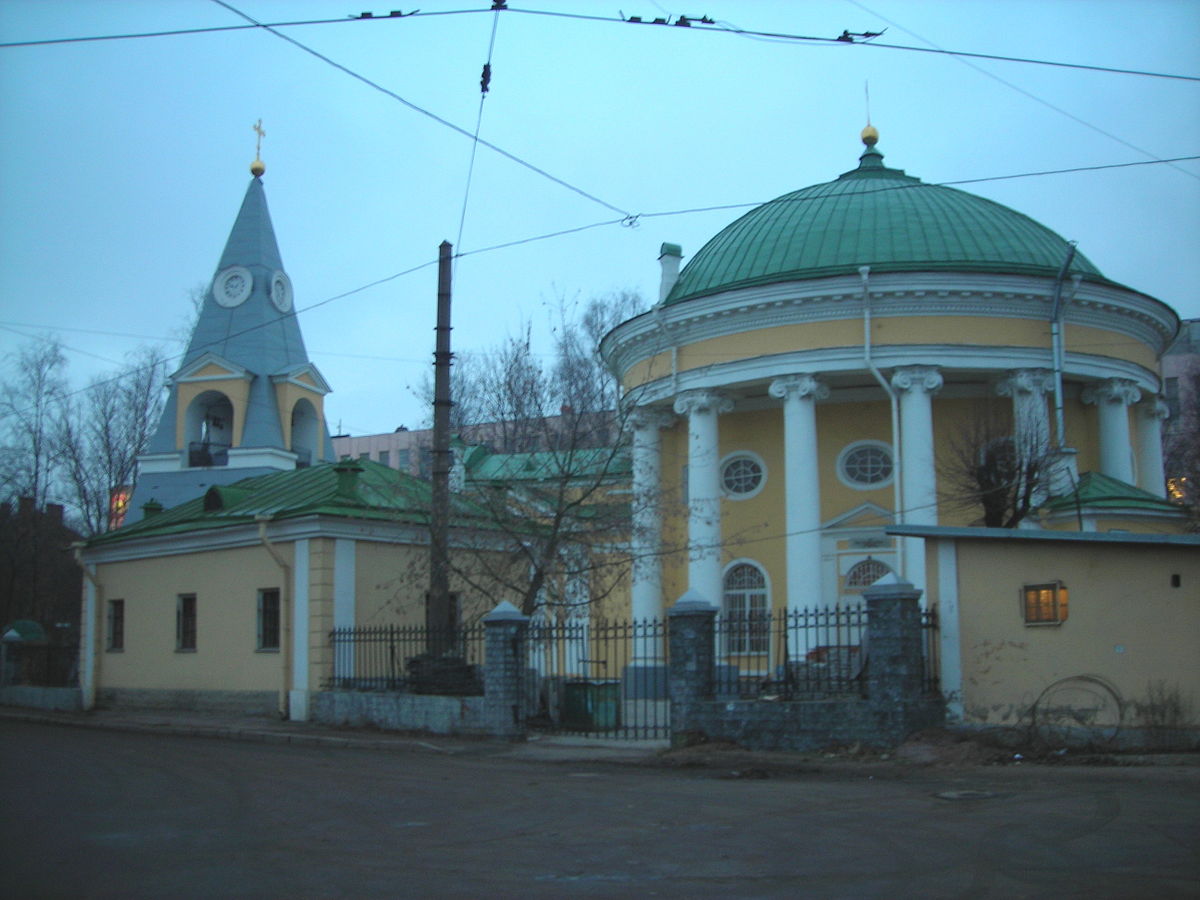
pixel 896 659
pixel 505 665
pixel 692 657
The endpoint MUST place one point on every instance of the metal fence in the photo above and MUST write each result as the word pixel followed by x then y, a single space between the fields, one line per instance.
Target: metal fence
pixel 805 653
pixel 795 654
pixel 39 664
pixel 599 678
pixel 410 658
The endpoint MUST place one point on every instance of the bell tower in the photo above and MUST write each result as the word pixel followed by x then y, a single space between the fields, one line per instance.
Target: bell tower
pixel 246 400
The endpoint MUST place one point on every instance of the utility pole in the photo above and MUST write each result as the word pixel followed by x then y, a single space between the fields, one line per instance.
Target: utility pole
pixel 439 612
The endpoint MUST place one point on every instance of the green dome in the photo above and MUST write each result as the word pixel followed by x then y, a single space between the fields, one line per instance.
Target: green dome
pixel 878 217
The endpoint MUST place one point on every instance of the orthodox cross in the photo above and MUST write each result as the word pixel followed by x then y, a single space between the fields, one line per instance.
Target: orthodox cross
pixel 258 129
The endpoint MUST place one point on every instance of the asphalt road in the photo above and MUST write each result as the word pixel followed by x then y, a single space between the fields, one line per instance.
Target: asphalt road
pixel 90 813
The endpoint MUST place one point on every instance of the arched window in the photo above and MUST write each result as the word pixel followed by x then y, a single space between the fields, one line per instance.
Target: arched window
pixel 746 609
pixel 208 429
pixel 864 574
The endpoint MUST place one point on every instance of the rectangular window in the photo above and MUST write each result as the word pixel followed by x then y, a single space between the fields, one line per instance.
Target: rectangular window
pixel 1044 604
pixel 185 622
pixel 404 460
pixel 366 454
pixel 116 625
pixel 385 457
pixel 268 619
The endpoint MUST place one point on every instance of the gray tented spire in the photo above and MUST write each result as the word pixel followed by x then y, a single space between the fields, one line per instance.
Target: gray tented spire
pixel 223 419
pixel 255 333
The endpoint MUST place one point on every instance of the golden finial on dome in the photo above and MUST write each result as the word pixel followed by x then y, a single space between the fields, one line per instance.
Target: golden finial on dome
pixel 258 166
pixel 870 135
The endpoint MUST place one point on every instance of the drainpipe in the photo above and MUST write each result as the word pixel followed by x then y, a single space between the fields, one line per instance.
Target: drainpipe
pixel 89 631
pixel 285 614
pixel 1056 342
pixel 897 495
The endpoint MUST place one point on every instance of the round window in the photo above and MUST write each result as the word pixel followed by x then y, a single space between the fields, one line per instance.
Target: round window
pixel 742 476
pixel 866 464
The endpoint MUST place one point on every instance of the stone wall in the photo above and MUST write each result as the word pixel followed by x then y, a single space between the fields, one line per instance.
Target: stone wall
pixel 400 712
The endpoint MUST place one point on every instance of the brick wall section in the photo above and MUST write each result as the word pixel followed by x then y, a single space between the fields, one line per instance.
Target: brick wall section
pixel 895 706
pixel 506 647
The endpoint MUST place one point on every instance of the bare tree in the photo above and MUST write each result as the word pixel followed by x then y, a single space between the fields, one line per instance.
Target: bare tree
pixel 989 469
pixel 29 403
pixel 100 434
pixel 554 499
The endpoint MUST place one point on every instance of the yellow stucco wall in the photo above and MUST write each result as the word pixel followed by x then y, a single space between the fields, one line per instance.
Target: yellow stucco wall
pixel 977 331
pixel 1126 623
pixel 225 584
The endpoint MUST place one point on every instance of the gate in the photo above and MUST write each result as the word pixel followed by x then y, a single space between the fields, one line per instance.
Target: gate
pixel 597 678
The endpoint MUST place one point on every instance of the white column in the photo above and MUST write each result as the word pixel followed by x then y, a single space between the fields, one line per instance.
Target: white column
pixel 1152 477
pixel 1031 422
pixel 802 487
pixel 704 490
pixel 646 591
pixel 344 573
pixel 1031 416
pixel 298 695
pixel 1113 399
pixel 918 474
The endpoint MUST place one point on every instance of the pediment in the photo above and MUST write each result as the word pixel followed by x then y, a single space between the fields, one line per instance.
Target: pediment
pixel 865 515
pixel 304 375
pixel 211 367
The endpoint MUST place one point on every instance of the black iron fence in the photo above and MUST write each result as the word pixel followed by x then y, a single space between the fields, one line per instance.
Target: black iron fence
pixel 599 678
pixel 42 665
pixel 792 655
pixel 932 673
pixel 410 658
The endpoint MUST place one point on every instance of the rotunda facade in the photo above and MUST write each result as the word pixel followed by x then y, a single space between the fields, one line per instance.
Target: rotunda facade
pixel 814 372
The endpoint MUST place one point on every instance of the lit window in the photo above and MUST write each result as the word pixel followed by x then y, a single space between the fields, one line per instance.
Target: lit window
pixel 866 464
pixel 742 476
pixel 268 619
pixel 746 616
pixel 185 622
pixel 115 638
pixel 1044 604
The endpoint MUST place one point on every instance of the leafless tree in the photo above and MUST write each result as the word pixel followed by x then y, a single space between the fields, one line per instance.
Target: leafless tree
pixel 554 490
pixel 988 469
pixel 30 399
pixel 101 432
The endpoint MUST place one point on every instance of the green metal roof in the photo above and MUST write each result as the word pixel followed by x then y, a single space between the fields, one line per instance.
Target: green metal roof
pixel 1097 491
pixel 874 216
pixel 548 465
pixel 358 489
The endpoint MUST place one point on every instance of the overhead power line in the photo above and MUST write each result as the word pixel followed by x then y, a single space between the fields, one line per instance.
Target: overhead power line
pixel 690 23
pixel 447 123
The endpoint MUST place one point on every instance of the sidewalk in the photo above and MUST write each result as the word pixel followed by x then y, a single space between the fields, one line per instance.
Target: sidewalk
pixel 555 748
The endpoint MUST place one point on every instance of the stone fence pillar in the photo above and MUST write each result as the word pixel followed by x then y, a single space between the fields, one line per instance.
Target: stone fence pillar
pixel 506 644
pixel 894 644
pixel 692 657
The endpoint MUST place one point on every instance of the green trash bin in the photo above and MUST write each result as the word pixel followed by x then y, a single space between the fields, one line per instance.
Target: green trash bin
pixel 592 705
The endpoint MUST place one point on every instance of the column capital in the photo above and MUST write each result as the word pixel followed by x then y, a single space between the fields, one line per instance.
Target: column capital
pixel 702 400
pixel 1112 390
pixel 1026 381
pixel 1154 407
pixel 650 417
pixel 801 385
pixel 926 379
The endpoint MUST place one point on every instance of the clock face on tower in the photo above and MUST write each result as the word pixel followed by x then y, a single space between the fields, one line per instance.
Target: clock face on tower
pixel 232 286
pixel 281 292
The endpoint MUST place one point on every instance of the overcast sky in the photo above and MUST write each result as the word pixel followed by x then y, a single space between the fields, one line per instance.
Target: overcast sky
pixel 123 163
